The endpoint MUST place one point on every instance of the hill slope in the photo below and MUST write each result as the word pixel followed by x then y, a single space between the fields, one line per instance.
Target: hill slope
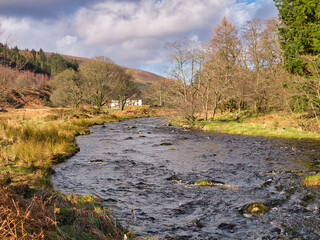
pixel 140 76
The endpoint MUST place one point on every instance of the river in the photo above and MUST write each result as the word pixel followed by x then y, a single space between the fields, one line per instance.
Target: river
pixel 145 172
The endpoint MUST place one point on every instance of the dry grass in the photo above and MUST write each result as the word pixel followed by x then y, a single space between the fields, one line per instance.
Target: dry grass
pixel 52 216
pixel 21 218
pixel 31 142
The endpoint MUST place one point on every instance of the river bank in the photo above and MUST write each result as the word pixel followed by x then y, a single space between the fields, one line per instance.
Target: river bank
pixel 278 125
pixel 32 142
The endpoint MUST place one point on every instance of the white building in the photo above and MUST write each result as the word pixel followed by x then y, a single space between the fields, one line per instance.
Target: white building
pixel 115 103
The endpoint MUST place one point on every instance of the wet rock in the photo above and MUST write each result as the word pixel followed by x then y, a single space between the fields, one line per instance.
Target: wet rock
pixel 227 227
pixel 3 110
pixel 254 208
pixel 197 223
pixel 168 124
pixel 129 138
pixel 309 198
pixel 131 127
pixel 267 183
pixel 166 144
pixel 277 230
pixel 140 132
pixel 142 136
pixel 173 178
pixel 96 161
pixel 130 150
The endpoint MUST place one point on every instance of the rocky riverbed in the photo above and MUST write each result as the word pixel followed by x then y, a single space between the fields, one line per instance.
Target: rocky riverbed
pixel 150 174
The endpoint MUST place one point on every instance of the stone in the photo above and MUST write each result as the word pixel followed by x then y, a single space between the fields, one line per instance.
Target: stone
pixel 257 208
pixel 166 144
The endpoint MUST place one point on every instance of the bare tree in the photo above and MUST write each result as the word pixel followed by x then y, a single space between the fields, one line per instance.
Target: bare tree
pixel 164 93
pixel 220 70
pixel 253 47
pixel 185 65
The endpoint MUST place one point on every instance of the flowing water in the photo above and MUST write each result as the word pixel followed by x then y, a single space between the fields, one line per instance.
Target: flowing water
pixel 149 184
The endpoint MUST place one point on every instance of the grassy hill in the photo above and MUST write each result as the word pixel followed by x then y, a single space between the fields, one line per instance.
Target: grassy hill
pixel 140 76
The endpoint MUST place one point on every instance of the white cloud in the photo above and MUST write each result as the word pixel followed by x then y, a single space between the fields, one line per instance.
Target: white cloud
pixel 113 22
pixel 132 33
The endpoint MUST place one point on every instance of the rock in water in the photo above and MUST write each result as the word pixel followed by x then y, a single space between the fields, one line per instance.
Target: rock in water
pixel 255 208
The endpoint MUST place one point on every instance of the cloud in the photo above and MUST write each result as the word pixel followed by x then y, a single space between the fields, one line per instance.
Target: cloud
pixel 130 32
pixel 247 9
pixel 139 30
pixel 113 22
pixel 40 9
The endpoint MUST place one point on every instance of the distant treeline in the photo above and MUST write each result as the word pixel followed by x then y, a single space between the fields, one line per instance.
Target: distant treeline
pixel 33 61
pixel 24 70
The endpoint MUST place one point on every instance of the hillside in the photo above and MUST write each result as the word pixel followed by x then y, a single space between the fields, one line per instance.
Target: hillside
pixel 140 76
pixel 24 75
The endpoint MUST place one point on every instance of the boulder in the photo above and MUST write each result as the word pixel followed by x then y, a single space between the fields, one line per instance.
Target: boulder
pixel 257 208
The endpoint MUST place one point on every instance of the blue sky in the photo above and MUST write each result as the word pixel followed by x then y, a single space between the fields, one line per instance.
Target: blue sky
pixel 132 33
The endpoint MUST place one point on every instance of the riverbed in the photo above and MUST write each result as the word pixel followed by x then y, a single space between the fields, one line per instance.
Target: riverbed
pixel 146 171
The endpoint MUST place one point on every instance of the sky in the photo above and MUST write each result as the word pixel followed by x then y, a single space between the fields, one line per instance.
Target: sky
pixel 132 33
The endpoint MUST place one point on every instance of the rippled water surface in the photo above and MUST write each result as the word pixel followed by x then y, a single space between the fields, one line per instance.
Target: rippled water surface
pixel 149 183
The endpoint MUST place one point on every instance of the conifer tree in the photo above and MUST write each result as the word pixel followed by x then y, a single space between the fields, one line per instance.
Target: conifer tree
pixel 301 32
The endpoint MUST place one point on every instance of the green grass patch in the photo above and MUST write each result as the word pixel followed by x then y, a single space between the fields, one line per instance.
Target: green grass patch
pixel 16 169
pixel 204 183
pixel 312 181
pixel 254 129
pixel 280 125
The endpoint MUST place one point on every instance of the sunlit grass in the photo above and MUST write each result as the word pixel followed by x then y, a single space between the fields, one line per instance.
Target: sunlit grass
pixel 280 125
pixel 38 139
pixel 32 141
pixel 312 181
pixel 254 129
pixel 204 183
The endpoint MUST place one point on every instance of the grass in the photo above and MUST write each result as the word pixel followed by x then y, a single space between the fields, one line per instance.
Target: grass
pixel 32 141
pixel 204 183
pixel 272 125
pixel 256 129
pixel 312 181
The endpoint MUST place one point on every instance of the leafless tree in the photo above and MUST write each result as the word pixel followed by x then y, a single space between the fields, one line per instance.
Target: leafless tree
pixel 185 65
pixel 220 70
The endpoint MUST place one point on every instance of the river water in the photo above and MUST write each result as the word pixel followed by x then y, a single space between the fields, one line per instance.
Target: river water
pixel 149 184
